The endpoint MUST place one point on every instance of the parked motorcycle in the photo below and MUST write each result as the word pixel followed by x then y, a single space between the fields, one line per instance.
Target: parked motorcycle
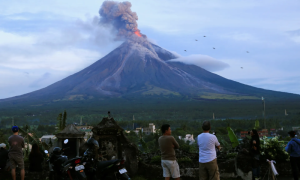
pixel 62 168
pixel 100 170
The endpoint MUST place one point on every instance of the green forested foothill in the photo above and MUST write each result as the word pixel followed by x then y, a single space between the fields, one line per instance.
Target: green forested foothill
pixel 92 111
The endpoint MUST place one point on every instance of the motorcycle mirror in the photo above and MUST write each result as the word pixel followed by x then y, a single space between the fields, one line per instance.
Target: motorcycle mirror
pixel 46 151
pixel 66 141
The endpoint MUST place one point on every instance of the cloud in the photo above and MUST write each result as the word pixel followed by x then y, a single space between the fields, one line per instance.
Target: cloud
pixel 203 61
pixel 31 60
pixel 295 35
pixel 37 83
pixel 240 36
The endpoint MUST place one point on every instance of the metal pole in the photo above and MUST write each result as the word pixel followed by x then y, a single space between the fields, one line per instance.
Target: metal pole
pixel 265 114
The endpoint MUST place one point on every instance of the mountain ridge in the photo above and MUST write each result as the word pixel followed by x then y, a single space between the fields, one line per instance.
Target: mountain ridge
pixel 138 67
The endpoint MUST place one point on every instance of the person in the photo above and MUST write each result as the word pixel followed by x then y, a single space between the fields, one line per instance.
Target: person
pixel 255 154
pixel 3 156
pixel 35 159
pixel 293 148
pixel 167 144
pixel 15 152
pixel 208 167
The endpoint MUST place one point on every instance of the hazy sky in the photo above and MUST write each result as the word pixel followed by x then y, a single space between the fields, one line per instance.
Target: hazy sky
pixel 42 42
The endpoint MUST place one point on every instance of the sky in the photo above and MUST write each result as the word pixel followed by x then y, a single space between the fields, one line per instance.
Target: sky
pixel 42 42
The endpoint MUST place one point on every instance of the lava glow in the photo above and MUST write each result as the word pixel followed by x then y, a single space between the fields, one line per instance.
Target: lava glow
pixel 138 33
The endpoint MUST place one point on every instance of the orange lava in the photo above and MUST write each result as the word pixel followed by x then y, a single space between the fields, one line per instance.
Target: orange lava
pixel 138 33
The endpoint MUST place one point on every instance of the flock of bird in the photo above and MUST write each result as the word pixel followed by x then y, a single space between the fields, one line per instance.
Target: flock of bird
pixel 215 48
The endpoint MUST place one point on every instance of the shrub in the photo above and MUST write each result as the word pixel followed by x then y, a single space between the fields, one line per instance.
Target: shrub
pixel 155 159
pixel 273 149
pixel 231 155
pixel 184 160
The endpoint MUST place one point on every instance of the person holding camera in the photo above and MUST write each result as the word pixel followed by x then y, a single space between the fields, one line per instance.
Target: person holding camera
pixel 208 167
pixel 293 148
pixel 255 154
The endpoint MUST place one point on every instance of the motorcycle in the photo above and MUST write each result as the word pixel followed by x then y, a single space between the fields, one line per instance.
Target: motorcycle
pixel 108 170
pixel 62 168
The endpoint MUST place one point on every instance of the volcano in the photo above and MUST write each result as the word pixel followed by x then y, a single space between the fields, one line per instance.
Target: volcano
pixel 139 68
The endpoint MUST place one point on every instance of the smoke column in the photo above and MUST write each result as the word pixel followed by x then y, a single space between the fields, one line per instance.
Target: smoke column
pixel 120 16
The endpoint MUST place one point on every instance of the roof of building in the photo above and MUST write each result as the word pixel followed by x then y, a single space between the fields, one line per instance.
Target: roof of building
pixel 70 130
pixel 48 136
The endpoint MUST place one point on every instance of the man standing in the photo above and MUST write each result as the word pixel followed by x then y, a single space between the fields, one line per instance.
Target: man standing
pixel 15 153
pixel 293 148
pixel 167 144
pixel 208 167
pixel 3 156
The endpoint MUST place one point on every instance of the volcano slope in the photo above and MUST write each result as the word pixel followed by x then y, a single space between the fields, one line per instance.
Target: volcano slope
pixel 140 71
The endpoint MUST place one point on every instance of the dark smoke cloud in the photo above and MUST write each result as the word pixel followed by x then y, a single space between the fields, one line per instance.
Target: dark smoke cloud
pixel 120 16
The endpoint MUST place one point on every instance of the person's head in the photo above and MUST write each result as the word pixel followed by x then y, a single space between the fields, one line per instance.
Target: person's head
pixel 206 126
pixel 166 129
pixel 15 129
pixel 254 133
pixel 292 134
pixel 2 146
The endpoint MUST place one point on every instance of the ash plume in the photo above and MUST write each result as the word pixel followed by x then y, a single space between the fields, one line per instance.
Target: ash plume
pixel 120 16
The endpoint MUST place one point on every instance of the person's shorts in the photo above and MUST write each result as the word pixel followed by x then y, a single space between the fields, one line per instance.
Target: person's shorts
pixel 16 161
pixel 170 168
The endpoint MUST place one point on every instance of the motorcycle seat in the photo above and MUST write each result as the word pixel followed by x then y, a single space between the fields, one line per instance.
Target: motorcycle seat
pixel 69 161
pixel 104 164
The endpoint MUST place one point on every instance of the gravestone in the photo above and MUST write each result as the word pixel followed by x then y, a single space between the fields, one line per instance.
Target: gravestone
pixel 114 144
pixel 75 139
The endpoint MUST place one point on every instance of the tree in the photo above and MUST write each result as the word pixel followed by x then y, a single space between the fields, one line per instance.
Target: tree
pixel 59 122
pixel 64 120
pixel 256 126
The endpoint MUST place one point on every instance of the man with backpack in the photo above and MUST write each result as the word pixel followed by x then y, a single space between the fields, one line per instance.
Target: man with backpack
pixel 293 148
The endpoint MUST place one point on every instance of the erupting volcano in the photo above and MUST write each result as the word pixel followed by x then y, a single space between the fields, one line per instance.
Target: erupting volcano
pixel 138 33
pixel 139 68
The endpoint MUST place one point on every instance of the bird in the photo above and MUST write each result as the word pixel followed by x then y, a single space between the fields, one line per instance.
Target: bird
pixel 196 40
pixel 241 67
pixel 184 50
pixel 204 36
pixel 247 51
pixel 214 48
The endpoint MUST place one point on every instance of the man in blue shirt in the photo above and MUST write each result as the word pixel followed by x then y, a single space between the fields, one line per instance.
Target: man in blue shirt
pixel 293 148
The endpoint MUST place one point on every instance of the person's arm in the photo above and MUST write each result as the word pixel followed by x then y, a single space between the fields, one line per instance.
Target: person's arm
pixel 217 144
pixel 23 143
pixel 255 146
pixel 288 147
pixel 175 143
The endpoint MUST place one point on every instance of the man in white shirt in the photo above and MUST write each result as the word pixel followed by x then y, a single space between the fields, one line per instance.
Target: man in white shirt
pixel 208 167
